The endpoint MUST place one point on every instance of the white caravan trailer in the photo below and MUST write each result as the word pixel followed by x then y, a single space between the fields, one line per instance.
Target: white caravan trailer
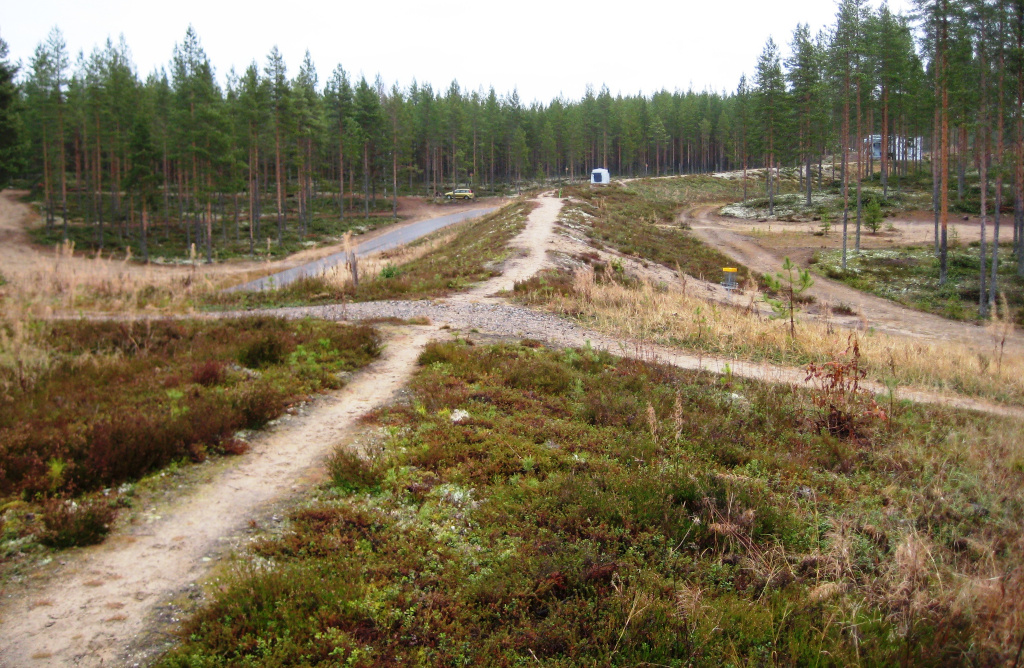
pixel 600 177
pixel 896 146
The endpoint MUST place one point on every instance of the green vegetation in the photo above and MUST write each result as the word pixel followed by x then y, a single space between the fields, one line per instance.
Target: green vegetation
pixel 695 189
pixel 469 257
pixel 910 276
pixel 641 224
pixel 91 405
pixel 788 287
pixel 570 508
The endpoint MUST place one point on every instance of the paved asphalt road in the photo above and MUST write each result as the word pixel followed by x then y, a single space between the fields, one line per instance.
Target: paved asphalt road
pixel 388 240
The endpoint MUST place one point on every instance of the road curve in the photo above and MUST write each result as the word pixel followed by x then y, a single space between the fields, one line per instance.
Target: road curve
pixel 387 240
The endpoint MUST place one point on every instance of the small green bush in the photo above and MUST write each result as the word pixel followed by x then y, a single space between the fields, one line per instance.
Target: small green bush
pixel 351 473
pixel 263 352
pixel 873 215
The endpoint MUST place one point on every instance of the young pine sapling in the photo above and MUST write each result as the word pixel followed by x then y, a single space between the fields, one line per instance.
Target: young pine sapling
pixel 788 285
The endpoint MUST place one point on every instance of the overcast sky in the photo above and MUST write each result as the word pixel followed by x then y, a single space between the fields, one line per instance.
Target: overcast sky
pixel 542 48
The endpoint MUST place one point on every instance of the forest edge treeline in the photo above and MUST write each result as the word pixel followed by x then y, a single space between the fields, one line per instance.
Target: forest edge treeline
pixel 178 147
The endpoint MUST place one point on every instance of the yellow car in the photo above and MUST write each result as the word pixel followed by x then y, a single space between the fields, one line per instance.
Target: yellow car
pixel 460 193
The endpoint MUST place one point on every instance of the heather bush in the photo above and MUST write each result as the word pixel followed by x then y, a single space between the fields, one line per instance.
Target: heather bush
pixel 123 399
pixel 352 473
pixel 209 373
pixel 71 523
pixel 634 514
pixel 265 351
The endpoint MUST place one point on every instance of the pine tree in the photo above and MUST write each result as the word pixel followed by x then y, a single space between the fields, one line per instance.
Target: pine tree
pixel 338 96
pixel 280 117
pixel 771 109
pixel 143 178
pixel 11 124
pixel 804 77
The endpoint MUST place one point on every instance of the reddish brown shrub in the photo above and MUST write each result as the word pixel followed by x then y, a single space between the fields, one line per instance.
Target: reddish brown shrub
pixel 75 523
pixel 209 373
pixel 234 446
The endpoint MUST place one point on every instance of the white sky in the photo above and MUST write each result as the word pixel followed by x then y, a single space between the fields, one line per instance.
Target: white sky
pixel 542 48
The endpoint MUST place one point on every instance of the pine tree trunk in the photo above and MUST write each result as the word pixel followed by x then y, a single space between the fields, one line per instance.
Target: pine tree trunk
pixel 1018 189
pixel 99 182
pixel 1000 109
pixel 944 190
pixel 844 140
pixel 366 180
pixel 280 185
pixel 984 150
pixel 860 173
pixel 47 195
pixel 961 174
pixel 341 171
pixel 145 231
pixel 63 168
pixel 936 172
pixel 884 157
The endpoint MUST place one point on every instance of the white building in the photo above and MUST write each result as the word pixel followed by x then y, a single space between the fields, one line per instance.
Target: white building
pixel 913 147
pixel 600 177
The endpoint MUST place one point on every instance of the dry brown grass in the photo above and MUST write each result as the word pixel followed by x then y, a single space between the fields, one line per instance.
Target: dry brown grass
pixel 64 283
pixel 675 316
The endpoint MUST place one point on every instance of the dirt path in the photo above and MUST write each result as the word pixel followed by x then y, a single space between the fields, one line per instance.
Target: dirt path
pixel 498 318
pixel 533 242
pixel 882 314
pixel 90 611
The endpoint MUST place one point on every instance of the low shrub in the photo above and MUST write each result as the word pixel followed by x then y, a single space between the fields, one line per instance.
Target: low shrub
pixel 263 352
pixel 637 515
pixel 208 373
pixel 122 399
pixel 69 523
pixel 352 473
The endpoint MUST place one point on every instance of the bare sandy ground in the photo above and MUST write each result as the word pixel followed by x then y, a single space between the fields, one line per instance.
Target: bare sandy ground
pixel 882 314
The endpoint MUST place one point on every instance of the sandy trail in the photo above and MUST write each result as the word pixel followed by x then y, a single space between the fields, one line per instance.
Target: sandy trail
pixel 495 317
pixel 882 314
pixel 533 242
pixel 105 597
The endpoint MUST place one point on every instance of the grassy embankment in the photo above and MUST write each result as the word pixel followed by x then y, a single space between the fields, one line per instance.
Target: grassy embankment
pixel 435 266
pixel 672 315
pixel 638 220
pixel 571 508
pixel 86 407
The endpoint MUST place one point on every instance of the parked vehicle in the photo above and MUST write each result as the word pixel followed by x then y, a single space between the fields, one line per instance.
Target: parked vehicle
pixel 460 193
